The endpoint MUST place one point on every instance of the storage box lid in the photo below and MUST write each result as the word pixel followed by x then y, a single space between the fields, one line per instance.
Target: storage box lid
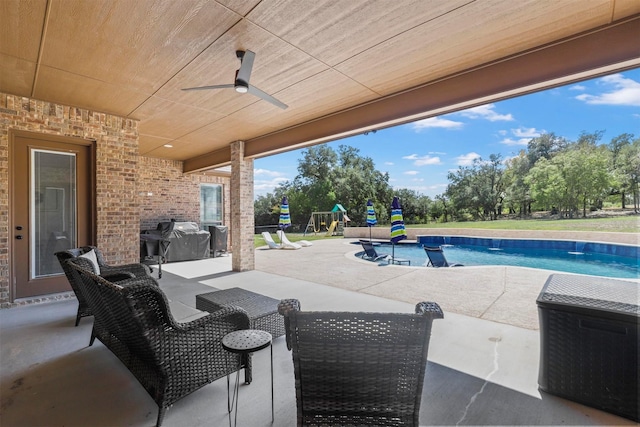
pixel 601 293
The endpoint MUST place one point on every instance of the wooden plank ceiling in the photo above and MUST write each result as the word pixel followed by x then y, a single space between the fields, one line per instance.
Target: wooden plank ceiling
pixel 342 66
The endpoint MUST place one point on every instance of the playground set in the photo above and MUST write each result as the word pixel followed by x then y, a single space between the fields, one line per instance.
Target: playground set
pixel 332 222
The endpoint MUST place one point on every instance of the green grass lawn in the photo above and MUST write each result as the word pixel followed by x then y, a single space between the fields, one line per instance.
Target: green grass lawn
pixel 621 224
pixel 618 224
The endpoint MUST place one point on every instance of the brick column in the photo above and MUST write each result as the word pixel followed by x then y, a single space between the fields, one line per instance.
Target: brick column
pixel 242 220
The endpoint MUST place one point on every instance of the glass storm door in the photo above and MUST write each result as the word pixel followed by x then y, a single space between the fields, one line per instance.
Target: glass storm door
pixel 46 212
pixel 52 216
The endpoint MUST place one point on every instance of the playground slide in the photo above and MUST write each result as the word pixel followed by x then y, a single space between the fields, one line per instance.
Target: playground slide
pixel 331 228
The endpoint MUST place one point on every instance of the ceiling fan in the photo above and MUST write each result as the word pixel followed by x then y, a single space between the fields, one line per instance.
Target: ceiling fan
pixel 241 84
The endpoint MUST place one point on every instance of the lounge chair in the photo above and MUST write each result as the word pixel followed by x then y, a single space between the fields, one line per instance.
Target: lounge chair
pixel 358 368
pixel 437 258
pixel 285 241
pixel 269 240
pixel 370 252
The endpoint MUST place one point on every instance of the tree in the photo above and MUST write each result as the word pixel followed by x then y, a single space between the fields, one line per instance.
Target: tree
pixel 573 178
pixel 620 175
pixel 479 188
pixel 266 209
pixel 317 163
pixel 415 207
pixel 544 147
pixel 547 185
pixel 585 172
pixel 438 210
pixel 518 193
pixel 629 167
pixel 326 177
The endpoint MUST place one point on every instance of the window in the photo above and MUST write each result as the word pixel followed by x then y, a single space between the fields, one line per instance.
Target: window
pixel 210 205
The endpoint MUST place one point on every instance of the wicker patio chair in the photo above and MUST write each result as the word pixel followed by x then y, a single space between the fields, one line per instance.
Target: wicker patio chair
pixel 113 273
pixel 358 368
pixel 168 358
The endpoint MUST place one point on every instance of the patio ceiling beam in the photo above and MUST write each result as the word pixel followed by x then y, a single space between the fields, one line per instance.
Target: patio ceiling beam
pixel 592 54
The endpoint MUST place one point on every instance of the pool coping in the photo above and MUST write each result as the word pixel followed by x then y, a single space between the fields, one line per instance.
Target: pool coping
pixel 412 233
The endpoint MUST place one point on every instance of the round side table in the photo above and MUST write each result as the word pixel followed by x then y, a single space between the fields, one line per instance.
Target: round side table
pixel 244 342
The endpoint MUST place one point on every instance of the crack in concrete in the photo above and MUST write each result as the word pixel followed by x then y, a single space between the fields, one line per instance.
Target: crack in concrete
pixel 504 291
pixel 496 357
pixel 383 281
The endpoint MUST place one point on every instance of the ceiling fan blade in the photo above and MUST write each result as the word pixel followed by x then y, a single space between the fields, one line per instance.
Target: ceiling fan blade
pixel 246 65
pixel 210 87
pixel 257 92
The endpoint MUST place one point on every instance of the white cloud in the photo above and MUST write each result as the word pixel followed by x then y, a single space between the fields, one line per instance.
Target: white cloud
pixel 417 180
pixel 435 122
pixel 522 136
pixel 439 153
pixel 467 159
pixel 486 112
pixel 262 187
pixel 515 142
pixel 257 172
pixel 388 163
pixel 411 172
pixel 271 179
pixel 578 87
pixel 423 160
pixel 526 132
pixel 502 132
pixel 624 92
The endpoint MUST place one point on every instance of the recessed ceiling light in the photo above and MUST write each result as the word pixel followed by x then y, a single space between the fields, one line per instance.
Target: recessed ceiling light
pixel 168 146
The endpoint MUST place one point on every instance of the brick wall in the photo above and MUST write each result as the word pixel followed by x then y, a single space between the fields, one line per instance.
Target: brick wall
pixel 121 176
pixel 173 194
pixel 117 214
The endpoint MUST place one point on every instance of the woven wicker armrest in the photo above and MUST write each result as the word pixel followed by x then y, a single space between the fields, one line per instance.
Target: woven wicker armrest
pixel 236 317
pixel 117 276
pixel 134 269
pixel 126 279
pixel 286 308
pixel 431 309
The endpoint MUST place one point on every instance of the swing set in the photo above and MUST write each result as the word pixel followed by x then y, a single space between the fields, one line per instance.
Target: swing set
pixel 331 222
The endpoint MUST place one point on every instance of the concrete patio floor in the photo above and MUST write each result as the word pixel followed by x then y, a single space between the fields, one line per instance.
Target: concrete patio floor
pixel 483 356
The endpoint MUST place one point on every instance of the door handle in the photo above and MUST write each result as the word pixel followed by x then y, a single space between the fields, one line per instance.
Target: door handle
pixel 19 237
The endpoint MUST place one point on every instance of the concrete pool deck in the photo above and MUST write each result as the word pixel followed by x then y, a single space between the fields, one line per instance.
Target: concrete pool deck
pixel 480 371
pixel 501 294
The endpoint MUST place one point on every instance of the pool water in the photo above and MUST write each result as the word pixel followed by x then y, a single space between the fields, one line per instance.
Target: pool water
pixel 594 264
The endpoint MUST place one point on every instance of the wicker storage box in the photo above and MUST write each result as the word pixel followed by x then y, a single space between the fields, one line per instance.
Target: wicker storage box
pixel 589 342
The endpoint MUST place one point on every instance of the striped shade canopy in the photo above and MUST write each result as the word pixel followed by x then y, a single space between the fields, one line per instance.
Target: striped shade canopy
pixel 371 214
pixel 285 219
pixel 398 231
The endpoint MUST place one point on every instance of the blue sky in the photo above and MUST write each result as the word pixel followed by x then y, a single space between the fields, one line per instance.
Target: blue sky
pixel 419 155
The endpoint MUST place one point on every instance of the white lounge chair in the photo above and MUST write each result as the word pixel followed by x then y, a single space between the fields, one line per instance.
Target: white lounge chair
pixel 285 241
pixel 269 240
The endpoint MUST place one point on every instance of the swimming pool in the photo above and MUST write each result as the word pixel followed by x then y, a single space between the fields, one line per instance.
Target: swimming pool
pixel 596 259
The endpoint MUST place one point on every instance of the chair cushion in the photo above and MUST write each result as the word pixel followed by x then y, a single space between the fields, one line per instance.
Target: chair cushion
pixel 91 256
